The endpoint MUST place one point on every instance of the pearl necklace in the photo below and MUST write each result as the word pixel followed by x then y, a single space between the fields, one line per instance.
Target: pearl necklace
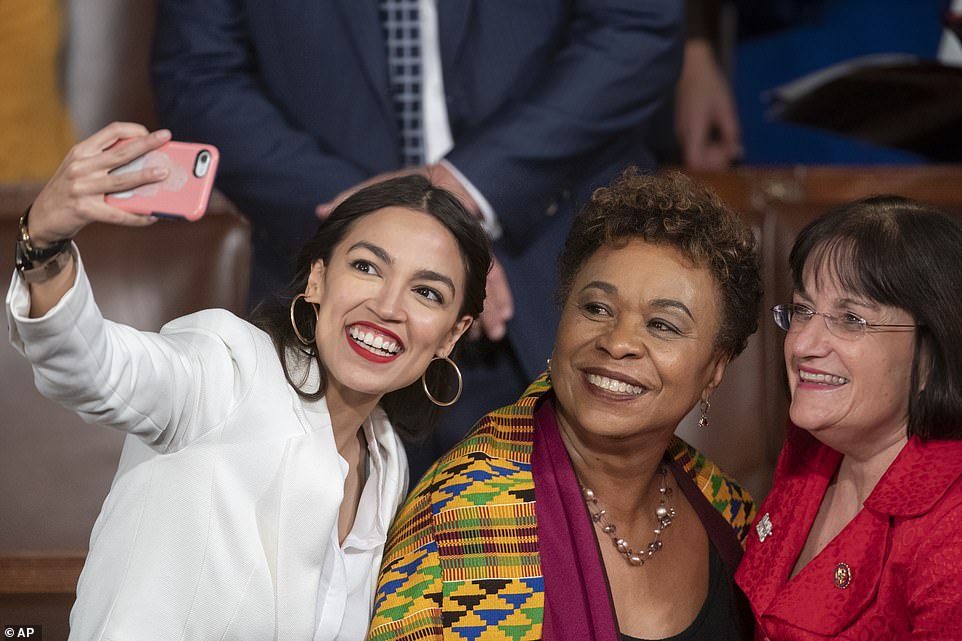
pixel 664 514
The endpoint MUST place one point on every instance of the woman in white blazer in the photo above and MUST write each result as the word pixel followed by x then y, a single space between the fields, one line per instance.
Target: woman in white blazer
pixel 262 465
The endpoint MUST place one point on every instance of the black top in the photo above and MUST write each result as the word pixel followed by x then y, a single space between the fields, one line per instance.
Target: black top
pixel 717 620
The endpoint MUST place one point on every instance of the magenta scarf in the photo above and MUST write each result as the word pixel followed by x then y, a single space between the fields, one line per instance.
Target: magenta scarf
pixel 577 601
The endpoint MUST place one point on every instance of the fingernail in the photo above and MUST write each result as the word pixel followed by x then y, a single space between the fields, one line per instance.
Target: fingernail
pixel 162 134
pixel 158 172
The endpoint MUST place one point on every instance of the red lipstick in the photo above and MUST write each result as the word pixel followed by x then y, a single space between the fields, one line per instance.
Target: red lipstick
pixel 366 353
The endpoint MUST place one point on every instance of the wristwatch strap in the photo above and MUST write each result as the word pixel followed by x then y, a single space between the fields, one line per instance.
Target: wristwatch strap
pixel 32 254
pixel 39 265
pixel 39 273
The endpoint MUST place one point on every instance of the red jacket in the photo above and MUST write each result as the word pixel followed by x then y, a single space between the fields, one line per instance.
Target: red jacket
pixel 894 572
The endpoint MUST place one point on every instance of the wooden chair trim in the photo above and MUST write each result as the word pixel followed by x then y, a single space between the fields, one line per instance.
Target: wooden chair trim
pixel 44 572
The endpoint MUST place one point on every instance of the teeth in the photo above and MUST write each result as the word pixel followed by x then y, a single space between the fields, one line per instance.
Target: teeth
pixel 825 379
pixel 374 342
pixel 612 385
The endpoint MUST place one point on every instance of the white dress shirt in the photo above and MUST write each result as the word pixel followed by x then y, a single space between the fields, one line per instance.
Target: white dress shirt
pixel 950 49
pixel 350 568
pixel 437 130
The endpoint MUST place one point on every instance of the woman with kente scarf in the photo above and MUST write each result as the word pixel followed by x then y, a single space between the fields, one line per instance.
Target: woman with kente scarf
pixel 576 513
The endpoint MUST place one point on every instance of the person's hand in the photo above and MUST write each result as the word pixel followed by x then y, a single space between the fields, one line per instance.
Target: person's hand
pixel 438 175
pixel 498 306
pixel 705 118
pixel 74 196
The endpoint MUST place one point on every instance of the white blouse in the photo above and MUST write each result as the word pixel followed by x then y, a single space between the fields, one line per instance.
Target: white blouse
pixel 350 569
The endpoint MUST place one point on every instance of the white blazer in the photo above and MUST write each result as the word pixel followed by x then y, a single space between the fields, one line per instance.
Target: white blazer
pixel 220 515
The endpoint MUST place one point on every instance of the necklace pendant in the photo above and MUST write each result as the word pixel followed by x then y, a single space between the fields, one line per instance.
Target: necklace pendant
pixel 664 514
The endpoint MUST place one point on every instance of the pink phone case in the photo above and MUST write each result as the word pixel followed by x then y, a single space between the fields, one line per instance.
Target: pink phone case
pixel 185 191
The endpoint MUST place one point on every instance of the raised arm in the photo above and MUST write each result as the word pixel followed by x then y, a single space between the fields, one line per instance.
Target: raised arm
pixel 152 385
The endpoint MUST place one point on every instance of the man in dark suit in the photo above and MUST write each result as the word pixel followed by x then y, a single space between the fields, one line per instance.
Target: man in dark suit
pixel 545 100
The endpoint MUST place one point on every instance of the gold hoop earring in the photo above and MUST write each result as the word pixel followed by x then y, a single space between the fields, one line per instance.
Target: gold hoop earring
pixel 457 371
pixel 703 419
pixel 297 332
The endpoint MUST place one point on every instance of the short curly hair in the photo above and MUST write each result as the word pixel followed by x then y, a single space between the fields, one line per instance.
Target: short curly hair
pixel 673 210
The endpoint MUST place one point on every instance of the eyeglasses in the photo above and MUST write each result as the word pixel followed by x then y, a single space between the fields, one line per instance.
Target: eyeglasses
pixel 848 325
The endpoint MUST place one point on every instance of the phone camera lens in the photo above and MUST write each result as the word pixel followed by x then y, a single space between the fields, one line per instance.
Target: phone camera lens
pixel 202 163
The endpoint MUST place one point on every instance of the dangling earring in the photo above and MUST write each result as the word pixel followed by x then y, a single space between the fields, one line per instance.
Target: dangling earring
pixel 297 332
pixel 548 372
pixel 457 371
pixel 703 419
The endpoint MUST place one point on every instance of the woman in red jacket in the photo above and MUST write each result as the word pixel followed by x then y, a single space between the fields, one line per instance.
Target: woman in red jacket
pixel 859 537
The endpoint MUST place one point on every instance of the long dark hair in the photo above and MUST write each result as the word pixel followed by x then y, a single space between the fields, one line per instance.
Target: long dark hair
pixel 906 254
pixel 408 409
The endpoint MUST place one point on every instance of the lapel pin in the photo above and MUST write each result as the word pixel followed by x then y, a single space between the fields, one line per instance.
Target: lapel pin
pixel 764 528
pixel 843 576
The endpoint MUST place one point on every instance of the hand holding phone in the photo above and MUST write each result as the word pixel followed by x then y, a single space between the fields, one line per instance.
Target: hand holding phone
pixel 186 190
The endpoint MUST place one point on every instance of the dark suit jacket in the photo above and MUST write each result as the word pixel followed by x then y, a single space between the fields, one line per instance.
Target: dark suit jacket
pixel 547 99
pixel 893 572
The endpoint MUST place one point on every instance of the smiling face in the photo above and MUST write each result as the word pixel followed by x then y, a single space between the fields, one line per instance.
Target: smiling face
pixel 388 302
pixel 636 343
pixel 850 394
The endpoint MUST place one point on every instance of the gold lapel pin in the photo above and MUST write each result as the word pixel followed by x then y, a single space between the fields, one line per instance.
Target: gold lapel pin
pixel 843 576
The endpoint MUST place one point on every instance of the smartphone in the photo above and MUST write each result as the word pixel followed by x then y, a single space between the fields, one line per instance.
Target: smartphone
pixel 185 191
